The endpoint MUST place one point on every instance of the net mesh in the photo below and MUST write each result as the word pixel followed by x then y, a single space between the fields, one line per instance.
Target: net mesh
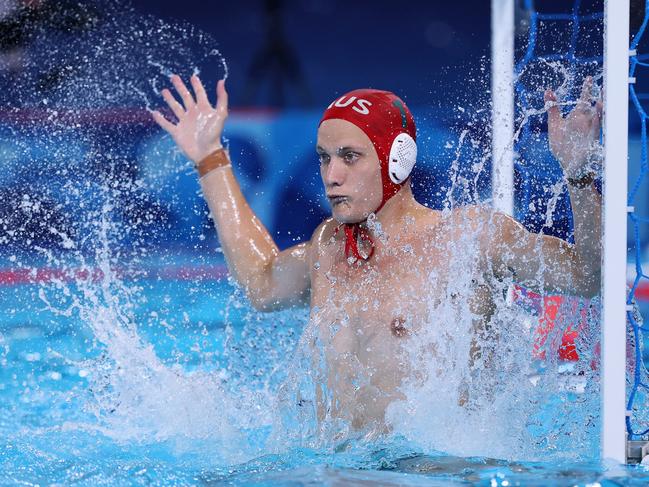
pixel 555 50
pixel 569 41
pixel 636 420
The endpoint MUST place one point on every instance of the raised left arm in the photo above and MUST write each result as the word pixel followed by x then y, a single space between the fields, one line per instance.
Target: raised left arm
pixel 546 263
pixel 541 261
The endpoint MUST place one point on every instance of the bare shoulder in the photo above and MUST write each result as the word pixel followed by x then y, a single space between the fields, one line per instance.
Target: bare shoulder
pixel 475 221
pixel 473 217
pixel 474 214
pixel 495 228
pixel 423 217
pixel 323 233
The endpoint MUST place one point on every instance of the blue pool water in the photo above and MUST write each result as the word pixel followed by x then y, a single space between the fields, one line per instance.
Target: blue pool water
pixel 175 382
pixel 139 375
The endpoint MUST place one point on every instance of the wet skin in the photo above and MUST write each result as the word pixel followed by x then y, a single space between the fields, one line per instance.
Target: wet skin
pixel 366 315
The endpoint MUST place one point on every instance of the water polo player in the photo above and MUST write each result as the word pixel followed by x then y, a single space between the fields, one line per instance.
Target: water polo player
pixel 375 271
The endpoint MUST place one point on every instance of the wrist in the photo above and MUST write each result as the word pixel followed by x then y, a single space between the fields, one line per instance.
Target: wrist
pixel 584 173
pixel 217 159
pixel 582 181
pixel 205 154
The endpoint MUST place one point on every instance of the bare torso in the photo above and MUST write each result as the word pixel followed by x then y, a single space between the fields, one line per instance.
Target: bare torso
pixel 364 316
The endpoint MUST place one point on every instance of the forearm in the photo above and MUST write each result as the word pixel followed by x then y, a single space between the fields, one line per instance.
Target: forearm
pixel 587 222
pixel 248 247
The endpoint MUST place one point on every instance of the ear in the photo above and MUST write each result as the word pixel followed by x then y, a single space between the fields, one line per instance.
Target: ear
pixel 402 158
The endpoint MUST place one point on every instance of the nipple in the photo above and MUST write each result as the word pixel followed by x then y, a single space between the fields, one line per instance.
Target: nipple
pixel 398 328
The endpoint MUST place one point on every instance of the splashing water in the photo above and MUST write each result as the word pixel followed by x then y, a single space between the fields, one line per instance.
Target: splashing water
pixel 117 59
pixel 112 56
pixel 239 386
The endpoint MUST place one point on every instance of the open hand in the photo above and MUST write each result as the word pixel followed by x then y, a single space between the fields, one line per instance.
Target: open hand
pixel 199 128
pixel 574 137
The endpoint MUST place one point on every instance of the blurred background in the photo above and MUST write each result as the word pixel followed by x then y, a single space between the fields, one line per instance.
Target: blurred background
pixel 81 155
pixel 91 188
pixel 89 180
pixel 77 79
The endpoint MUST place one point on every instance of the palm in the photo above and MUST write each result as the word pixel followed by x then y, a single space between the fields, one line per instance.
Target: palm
pixel 198 133
pixel 199 128
pixel 572 138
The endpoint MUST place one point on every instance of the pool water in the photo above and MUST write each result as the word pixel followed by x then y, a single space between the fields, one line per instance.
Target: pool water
pixel 165 380
pixel 160 373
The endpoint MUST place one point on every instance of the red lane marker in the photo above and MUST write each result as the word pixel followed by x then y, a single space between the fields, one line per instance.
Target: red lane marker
pixel 103 116
pixel 9 277
pixel 13 277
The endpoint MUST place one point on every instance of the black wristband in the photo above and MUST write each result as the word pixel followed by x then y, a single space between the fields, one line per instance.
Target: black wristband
pixel 583 181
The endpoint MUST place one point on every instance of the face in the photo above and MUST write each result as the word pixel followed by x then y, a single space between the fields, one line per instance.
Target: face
pixel 350 170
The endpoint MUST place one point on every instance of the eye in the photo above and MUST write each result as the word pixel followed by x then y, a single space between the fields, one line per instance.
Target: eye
pixel 323 158
pixel 351 157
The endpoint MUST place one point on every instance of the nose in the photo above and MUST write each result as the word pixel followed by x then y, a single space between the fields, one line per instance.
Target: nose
pixel 335 172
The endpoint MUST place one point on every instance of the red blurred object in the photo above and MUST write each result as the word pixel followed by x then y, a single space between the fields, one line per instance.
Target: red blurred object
pixel 567 350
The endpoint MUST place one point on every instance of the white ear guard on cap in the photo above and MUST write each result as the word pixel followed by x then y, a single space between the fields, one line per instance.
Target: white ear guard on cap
pixel 403 155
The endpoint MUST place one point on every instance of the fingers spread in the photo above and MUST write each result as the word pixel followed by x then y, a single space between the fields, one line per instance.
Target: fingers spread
pixel 554 113
pixel 222 97
pixel 599 109
pixel 199 91
pixel 188 99
pixel 586 94
pixel 176 107
pixel 162 121
pixel 587 89
pixel 549 96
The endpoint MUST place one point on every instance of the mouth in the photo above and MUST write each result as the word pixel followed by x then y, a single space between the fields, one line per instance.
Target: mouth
pixel 335 200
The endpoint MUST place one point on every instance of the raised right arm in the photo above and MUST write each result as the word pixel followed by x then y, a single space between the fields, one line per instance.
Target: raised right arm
pixel 272 279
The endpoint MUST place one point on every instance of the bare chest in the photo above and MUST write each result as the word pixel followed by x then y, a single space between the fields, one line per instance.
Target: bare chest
pixel 374 307
pixel 371 310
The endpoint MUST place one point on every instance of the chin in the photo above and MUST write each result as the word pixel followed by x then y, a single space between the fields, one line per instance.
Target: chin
pixel 346 217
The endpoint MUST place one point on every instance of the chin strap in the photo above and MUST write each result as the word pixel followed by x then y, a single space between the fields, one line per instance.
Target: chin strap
pixel 355 233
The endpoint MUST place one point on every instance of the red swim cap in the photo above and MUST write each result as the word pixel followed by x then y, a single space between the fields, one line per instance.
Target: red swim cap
pixel 381 115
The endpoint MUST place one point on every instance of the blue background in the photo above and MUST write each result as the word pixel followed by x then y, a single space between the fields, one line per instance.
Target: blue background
pixel 433 54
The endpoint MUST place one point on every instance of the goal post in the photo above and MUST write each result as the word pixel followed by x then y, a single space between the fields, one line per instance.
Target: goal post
pixel 502 105
pixel 614 256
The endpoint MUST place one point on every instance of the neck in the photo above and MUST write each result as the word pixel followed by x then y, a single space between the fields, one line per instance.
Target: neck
pixel 389 220
pixel 395 210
